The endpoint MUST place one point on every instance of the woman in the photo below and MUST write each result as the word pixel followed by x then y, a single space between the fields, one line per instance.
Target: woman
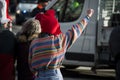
pixel 47 52
pixel 29 31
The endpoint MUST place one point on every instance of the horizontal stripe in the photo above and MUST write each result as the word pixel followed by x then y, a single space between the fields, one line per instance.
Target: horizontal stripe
pixel 52 61
pixel 48 54
pixel 50 51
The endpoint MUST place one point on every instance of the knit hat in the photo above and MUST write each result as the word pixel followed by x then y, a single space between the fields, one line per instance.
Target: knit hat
pixel 49 23
pixel 31 26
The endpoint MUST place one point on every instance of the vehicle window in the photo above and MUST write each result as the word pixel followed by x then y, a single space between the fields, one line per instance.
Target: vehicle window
pixel 68 10
pixel 117 6
pixel 110 10
pixel 28 1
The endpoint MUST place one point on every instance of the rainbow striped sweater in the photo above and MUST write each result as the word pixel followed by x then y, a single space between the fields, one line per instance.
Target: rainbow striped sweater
pixel 50 51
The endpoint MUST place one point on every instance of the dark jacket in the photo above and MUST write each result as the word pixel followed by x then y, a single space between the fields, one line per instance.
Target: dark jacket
pixel 24 72
pixel 7 55
pixel 114 42
pixel 7 42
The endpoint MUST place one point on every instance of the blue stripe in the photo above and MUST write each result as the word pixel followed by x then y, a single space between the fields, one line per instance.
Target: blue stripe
pixel 68 33
pixel 81 25
pixel 87 18
pixel 46 60
pixel 47 49
pixel 77 30
pixel 58 57
pixel 50 42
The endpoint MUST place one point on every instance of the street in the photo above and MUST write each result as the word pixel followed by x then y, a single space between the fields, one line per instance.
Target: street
pixel 86 74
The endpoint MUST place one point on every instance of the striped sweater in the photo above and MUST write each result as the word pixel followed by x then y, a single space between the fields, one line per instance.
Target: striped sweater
pixel 50 51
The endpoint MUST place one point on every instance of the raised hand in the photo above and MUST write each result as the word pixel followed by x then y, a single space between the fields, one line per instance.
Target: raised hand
pixel 90 12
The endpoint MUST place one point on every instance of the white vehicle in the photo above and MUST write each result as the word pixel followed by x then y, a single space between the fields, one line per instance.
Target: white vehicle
pixel 23 10
pixel 92 48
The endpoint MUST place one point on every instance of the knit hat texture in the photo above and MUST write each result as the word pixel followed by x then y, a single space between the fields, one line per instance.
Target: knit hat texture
pixel 49 23
pixel 31 26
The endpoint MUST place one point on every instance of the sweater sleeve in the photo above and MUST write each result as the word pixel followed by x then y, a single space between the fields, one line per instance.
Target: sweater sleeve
pixel 76 30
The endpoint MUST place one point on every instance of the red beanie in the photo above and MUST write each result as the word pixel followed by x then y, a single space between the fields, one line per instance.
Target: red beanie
pixel 49 23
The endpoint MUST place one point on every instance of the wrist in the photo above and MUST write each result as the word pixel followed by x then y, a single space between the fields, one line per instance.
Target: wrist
pixel 88 16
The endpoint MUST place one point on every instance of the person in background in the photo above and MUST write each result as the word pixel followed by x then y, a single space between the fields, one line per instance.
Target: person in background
pixel 7 54
pixel 8 45
pixel 7 9
pixel 10 24
pixel 30 30
pixel 114 46
pixel 5 14
pixel 40 7
pixel 47 52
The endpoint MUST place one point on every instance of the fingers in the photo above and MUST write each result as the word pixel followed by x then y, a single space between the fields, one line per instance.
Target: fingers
pixel 90 12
